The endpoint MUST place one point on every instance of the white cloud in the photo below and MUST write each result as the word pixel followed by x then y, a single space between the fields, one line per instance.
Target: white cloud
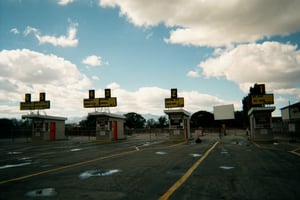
pixel 273 63
pixel 213 23
pixel 151 100
pixel 96 78
pixel 93 60
pixel 14 31
pixel 32 67
pixel 193 74
pixel 67 96
pixel 23 71
pixel 64 2
pixel 29 30
pixel 289 91
pixel 68 40
pixel 113 86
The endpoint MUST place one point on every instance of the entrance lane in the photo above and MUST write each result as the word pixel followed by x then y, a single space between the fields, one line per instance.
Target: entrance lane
pixel 238 169
pixel 144 174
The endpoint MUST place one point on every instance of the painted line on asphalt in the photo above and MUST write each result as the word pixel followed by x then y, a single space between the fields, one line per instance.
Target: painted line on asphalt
pixel 65 167
pixel 139 148
pixel 180 181
pixel 294 151
pixel 77 164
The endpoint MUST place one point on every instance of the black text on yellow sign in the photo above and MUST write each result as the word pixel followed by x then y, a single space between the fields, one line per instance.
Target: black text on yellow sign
pixel 262 99
pixel 35 105
pixel 100 102
pixel 174 102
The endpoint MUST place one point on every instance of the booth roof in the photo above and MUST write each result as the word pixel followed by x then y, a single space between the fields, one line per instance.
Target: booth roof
pixel 31 116
pixel 177 111
pixel 255 109
pixel 107 114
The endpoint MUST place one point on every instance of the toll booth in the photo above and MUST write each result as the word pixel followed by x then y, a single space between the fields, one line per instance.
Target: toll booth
pixel 179 124
pixel 261 123
pixel 46 128
pixel 109 126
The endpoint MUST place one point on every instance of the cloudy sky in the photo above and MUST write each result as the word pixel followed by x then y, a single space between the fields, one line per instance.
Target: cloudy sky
pixel 212 51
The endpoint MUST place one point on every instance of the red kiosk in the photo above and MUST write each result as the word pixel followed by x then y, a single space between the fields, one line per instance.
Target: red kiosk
pixel 44 127
pixel 179 119
pixel 108 126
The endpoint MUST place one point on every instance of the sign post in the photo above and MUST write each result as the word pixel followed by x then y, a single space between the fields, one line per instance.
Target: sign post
pixel 174 101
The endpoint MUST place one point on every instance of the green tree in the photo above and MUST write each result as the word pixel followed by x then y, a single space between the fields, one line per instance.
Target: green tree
pixel 202 119
pixel 134 120
pixel 89 122
pixel 151 123
pixel 162 122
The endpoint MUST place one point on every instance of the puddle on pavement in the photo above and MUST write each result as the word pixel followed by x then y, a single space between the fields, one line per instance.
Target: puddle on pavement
pixel 101 172
pixel 224 152
pixel 196 155
pixel 160 153
pixel 46 192
pixel 72 150
pixel 143 144
pixel 13 152
pixel 28 159
pixel 226 167
pixel 15 165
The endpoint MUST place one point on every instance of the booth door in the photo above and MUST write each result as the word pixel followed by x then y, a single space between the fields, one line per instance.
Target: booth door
pixel 186 129
pixel 115 130
pixel 52 131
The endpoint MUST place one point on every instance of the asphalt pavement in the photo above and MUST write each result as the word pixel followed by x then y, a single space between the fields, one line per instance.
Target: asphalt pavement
pixel 150 167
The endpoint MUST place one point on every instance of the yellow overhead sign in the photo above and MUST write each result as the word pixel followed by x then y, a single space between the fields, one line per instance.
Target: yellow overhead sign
pixel 108 102
pixel 262 99
pixel 100 102
pixel 35 105
pixel 174 102
pixel 91 103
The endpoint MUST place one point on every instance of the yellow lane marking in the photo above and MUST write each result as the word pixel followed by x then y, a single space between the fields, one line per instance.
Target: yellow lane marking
pixel 297 149
pixel 294 151
pixel 66 167
pixel 257 145
pixel 180 181
pixel 76 165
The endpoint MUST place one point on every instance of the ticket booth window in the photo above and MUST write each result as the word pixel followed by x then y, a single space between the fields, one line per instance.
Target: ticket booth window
pixel 46 127
pixel 109 126
pixel 176 123
pixel 37 127
pixel 262 120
